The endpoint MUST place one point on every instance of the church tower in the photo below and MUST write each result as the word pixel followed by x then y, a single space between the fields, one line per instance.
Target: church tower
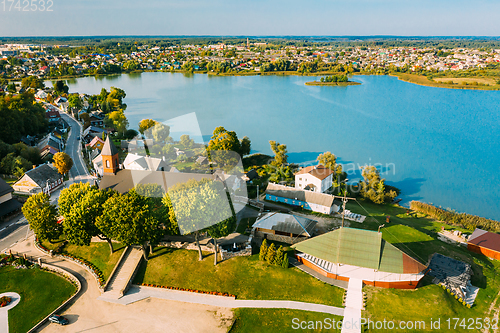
pixel 109 155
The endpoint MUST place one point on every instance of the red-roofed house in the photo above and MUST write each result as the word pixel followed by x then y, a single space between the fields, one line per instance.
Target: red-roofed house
pixel 96 142
pixel 484 242
pixel 317 178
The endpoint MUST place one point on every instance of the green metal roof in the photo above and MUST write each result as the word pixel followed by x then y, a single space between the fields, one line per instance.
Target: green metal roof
pixel 356 247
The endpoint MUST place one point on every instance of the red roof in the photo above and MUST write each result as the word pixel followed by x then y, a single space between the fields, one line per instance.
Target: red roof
pixel 319 171
pixel 485 239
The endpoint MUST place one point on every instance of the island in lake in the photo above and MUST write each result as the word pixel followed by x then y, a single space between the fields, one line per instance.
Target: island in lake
pixel 333 80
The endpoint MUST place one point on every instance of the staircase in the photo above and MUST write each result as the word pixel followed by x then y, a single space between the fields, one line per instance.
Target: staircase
pixel 119 282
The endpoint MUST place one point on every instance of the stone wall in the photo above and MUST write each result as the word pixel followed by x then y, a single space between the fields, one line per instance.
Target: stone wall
pixel 187 246
pixel 228 255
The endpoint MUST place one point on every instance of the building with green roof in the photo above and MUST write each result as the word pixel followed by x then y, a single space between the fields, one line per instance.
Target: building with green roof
pixel 362 254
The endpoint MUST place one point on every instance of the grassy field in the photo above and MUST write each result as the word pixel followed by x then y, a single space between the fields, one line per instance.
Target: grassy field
pixel 416 235
pixel 41 293
pixel 245 277
pixel 97 253
pixel 281 320
pixel 467 80
pixel 424 81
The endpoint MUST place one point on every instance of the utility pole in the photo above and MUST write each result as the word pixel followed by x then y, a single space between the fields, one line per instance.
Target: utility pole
pixel 257 192
pixel 344 201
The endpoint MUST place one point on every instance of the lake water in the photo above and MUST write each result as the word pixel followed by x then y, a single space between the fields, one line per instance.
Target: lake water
pixel 437 145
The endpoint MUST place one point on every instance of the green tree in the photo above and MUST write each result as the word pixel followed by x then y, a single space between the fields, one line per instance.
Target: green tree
pixel 63 162
pixel 186 141
pixel 195 205
pixel 60 87
pixel 86 120
pixel 130 219
pixel 280 153
pixel 79 224
pixel 117 120
pixel 263 250
pixel 224 140
pixel 75 101
pixel 278 258
pixel 146 124
pixel 329 160
pixel 42 217
pixel 245 146
pixel 168 151
pixel 372 187
pixel 160 132
pixel 32 82
pixel 285 263
pixel 271 253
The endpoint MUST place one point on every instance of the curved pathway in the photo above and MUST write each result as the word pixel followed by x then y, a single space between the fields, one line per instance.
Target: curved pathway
pixel 137 293
pixel 147 309
pixel 4 315
pixel 87 313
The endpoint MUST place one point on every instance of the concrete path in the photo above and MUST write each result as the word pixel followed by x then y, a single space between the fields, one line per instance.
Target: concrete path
pixel 4 317
pixel 354 305
pixel 123 273
pixel 137 293
pixel 88 314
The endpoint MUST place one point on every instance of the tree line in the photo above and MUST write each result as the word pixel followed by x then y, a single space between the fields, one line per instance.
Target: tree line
pixel 467 221
pixel 139 217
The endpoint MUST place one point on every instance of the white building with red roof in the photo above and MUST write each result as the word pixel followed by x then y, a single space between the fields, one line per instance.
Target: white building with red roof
pixel 316 178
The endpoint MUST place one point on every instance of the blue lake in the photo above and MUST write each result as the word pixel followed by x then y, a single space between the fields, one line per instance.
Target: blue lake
pixel 440 146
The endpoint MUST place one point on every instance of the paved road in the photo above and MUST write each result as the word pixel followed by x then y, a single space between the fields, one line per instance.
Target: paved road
pixel 17 229
pixel 89 314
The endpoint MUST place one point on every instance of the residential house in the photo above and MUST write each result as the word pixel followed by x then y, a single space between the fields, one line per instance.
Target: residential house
pixel 317 178
pixel 8 204
pixel 96 143
pixel 43 178
pixel 52 115
pixel 317 202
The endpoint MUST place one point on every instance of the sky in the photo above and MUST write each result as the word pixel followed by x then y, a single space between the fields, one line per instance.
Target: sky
pixel 250 18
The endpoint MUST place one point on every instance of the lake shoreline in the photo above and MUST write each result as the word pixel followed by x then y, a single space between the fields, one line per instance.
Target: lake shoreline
pixel 335 84
pixel 409 78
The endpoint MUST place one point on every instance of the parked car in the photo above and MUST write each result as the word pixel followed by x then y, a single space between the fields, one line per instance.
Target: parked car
pixel 78 138
pixel 58 320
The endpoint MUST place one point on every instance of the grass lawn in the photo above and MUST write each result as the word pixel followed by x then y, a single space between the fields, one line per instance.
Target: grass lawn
pixel 97 253
pixel 10 181
pixel 417 236
pixel 280 320
pixel 245 277
pixel 423 80
pixel 41 293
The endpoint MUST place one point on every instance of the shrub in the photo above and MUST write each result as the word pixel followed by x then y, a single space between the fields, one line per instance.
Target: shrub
pixel 271 253
pixel 263 250
pixel 278 258
pixel 285 261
